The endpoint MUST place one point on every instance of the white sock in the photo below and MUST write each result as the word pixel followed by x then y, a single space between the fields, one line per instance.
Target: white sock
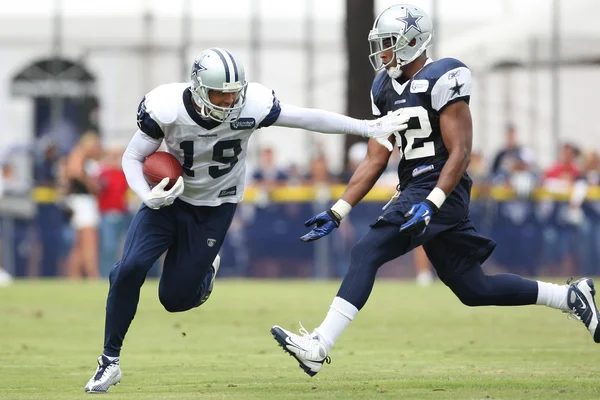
pixel 552 295
pixel 340 314
pixel 111 359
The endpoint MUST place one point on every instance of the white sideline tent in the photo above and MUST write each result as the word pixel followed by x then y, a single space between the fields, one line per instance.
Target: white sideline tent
pixel 511 61
pixel 509 39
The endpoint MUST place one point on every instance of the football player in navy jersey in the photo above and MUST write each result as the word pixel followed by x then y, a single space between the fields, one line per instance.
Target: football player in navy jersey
pixel 431 207
pixel 206 124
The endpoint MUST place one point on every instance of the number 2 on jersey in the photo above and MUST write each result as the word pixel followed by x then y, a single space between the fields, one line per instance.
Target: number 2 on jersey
pixel 224 152
pixel 419 127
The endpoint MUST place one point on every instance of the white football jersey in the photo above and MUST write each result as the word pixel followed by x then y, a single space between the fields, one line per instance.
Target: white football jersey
pixel 213 154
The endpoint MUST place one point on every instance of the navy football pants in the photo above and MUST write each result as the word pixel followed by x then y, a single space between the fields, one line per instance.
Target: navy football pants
pixel 192 237
pixel 452 245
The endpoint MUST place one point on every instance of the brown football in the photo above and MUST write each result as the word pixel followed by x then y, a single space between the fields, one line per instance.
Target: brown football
pixel 162 165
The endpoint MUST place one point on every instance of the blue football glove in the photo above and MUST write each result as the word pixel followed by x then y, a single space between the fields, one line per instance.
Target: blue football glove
pixel 326 222
pixel 418 218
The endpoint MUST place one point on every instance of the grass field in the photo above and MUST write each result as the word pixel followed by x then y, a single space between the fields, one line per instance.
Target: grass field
pixel 407 343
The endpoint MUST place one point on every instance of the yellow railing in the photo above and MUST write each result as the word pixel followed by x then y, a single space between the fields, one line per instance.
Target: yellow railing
pixel 294 194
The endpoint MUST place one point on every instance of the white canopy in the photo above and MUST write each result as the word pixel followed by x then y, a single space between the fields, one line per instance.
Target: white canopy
pixel 515 38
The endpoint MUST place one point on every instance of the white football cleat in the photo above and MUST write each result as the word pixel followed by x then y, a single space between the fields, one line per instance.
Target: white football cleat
pixel 580 300
pixel 107 374
pixel 307 349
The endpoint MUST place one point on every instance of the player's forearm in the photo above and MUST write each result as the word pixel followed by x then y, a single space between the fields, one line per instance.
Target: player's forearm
pixel 320 121
pixel 362 181
pixel 453 170
pixel 138 149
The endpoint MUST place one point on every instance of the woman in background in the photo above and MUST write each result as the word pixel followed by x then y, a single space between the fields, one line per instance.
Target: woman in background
pixel 81 199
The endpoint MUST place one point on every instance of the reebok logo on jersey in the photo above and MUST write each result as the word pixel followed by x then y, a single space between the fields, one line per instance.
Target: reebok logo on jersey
pixel 454 74
pixel 232 191
pixel 243 123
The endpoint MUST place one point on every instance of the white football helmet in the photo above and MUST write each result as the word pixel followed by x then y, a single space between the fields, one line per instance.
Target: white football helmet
pixel 217 69
pixel 399 25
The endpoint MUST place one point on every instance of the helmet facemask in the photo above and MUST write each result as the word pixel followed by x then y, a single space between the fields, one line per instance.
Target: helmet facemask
pixel 213 111
pixel 400 45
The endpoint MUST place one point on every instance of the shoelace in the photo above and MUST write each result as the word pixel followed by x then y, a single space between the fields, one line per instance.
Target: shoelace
pixel 102 369
pixel 307 338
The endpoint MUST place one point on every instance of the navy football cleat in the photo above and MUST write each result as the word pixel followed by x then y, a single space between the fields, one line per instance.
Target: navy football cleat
pixel 581 303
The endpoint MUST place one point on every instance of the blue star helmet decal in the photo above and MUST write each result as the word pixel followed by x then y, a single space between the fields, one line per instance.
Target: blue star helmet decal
pixel 410 22
pixel 199 67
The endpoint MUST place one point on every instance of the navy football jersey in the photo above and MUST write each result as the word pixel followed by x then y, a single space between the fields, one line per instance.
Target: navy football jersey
pixel 434 87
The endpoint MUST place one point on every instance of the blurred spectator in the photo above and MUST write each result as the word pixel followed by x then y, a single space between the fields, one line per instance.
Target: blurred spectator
pixel 565 171
pixel 563 233
pixel 587 215
pixel 477 169
pixel 295 177
pixel 507 159
pixel 82 188
pixel 113 206
pixel 46 167
pixel 10 183
pixel 267 177
pixel 319 173
pixel 5 178
pixel 356 153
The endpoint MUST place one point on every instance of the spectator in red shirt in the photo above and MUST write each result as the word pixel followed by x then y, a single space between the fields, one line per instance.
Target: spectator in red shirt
pixel 114 213
pixel 567 169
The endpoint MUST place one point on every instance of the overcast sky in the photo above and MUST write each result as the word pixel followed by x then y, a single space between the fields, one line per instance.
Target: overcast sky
pixel 286 9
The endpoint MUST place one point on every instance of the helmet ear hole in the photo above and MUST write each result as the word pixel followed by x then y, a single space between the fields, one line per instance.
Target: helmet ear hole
pixel 412 43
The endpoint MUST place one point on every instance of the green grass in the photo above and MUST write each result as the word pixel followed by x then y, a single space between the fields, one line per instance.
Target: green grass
pixel 407 343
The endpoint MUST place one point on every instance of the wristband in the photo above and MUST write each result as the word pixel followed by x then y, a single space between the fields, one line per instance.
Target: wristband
pixel 437 197
pixel 341 208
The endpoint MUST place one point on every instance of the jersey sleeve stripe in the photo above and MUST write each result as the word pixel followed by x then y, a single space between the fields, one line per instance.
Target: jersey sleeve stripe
pixel 273 114
pixel 147 124
pixel 454 100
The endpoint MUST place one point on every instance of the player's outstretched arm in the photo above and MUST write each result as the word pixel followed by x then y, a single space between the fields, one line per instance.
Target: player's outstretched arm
pixel 363 179
pixel 316 120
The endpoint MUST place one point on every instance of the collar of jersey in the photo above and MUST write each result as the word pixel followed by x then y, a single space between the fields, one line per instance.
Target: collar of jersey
pixel 399 87
pixel 207 124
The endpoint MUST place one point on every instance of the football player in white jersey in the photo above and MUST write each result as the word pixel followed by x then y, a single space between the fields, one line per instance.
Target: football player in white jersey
pixel 206 124
pixel 431 207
